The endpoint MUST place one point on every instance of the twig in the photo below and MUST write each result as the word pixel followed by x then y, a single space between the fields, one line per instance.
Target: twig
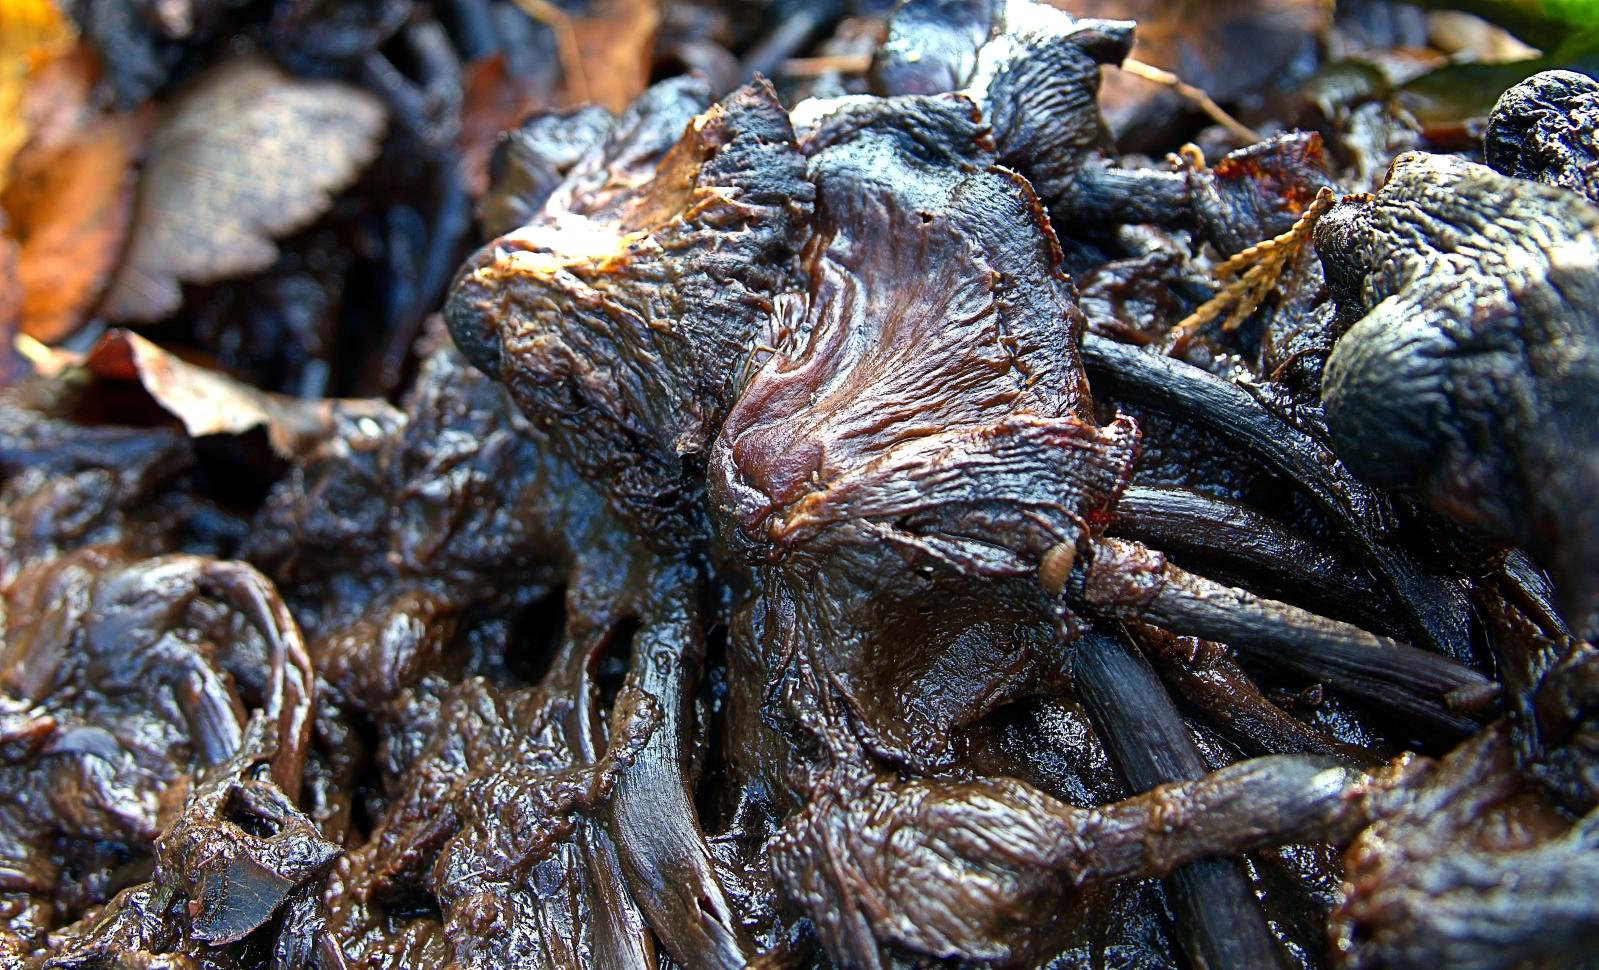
pixel 790 35
pixel 816 66
pixel 1150 72
pixel 47 361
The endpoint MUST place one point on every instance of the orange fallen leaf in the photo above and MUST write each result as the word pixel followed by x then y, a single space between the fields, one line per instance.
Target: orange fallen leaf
pixel 31 33
pixel 10 289
pixel 246 156
pixel 56 103
pixel 33 30
pixel 69 208
pixel 208 401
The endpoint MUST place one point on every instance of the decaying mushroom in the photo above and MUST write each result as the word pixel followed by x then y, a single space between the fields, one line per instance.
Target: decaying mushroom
pixel 910 467
pixel 127 689
pixel 1471 353
pixel 773 565
pixel 1547 129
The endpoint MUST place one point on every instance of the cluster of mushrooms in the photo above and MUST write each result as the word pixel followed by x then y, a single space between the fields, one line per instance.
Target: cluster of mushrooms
pixel 922 593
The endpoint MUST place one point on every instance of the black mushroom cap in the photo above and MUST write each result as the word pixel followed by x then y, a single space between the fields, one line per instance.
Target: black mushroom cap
pixel 1547 129
pixel 623 315
pixel 1469 369
pixel 1034 71
pixel 929 397
pixel 471 322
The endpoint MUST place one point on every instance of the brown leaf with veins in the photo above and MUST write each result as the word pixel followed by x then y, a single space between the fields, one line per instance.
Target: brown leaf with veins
pixel 209 401
pixel 249 154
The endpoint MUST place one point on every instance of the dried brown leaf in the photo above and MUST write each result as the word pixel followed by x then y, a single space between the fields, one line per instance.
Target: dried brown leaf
pixel 209 401
pixel 616 41
pixel 607 49
pixel 248 155
pixel 69 207
pixel 494 101
pixel 1223 48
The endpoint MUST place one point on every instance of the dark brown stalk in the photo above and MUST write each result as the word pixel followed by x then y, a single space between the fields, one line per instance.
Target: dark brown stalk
pixel 1220 920
pixel 1435 609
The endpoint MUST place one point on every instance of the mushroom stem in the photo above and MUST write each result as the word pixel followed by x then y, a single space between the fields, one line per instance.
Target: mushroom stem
pixel 1435 691
pixel 1220 918
pixel 1231 702
pixel 663 852
pixel 1244 806
pixel 1435 609
pixel 1183 521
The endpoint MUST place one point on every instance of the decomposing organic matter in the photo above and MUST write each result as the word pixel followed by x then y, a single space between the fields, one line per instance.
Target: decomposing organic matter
pixel 1542 129
pixel 836 533
pixel 1472 350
